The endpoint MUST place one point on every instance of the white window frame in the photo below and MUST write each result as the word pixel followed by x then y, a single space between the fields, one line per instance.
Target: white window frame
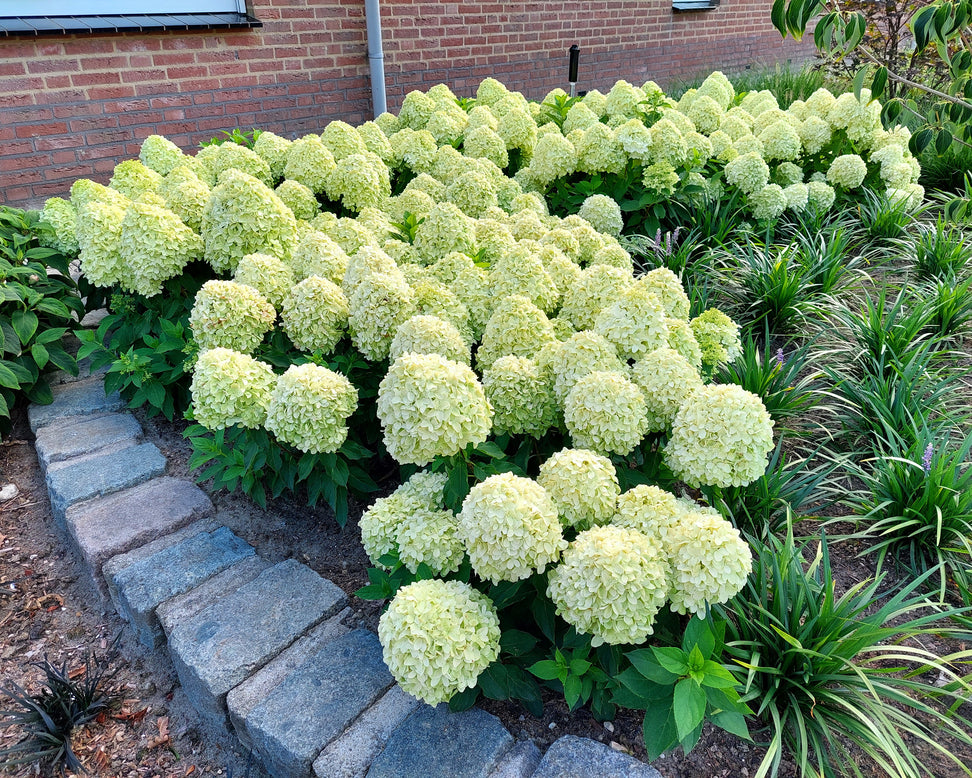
pixel 17 8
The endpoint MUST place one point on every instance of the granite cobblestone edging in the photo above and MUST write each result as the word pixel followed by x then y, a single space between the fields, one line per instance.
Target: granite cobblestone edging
pixel 261 650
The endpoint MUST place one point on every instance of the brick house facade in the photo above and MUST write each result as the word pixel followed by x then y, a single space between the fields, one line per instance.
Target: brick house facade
pixel 73 106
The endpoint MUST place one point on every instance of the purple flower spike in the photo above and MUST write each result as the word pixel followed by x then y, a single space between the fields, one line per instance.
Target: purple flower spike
pixel 779 358
pixel 926 460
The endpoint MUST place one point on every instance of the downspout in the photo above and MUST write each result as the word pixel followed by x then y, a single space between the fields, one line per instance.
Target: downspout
pixel 376 57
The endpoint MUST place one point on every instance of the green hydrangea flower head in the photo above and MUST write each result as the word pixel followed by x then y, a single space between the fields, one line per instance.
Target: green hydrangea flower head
pixel 430 406
pixel 709 562
pixel 230 388
pixel 603 213
pixel 521 272
pixel 310 163
pixel 517 327
pixel 309 408
pixel 473 192
pixel 299 199
pixel 720 437
pixel 414 150
pixel 131 178
pixel 448 125
pixel 510 528
pixel 350 234
pixel 381 522
pixel 437 637
pixel 430 537
pixel 230 315
pixel 606 413
pixel 717 336
pixel 579 117
pixel 375 141
pixel 749 172
pixel 359 181
pixel 60 214
pixel 99 239
pixel 446 229
pixel 160 154
pixel 186 196
pixel 847 171
pixel 599 151
pixel 267 274
pixel 634 323
pixel 667 379
pixel 482 142
pixel 623 100
pixel 233 156
pixel 156 246
pixel 520 397
pixel 668 141
pixel 797 196
pixel 388 123
pixel 315 314
pixel 424 334
pixel 244 216
pixel 582 353
pixel 611 584
pixel 820 195
pixel 768 203
pixel 434 298
pixel 317 255
pixel 661 177
pixel 597 287
pixel 379 305
pixel 417 109
pixel 582 484
pixel 273 150
pixel 342 140
pixel 613 255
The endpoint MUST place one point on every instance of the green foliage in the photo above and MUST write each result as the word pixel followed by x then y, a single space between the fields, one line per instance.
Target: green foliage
pixel 577 675
pixel 39 305
pixel 242 137
pixel 883 220
pixel 949 307
pixel 827 672
pixel 916 504
pixel 148 346
pixel 827 257
pixel 406 228
pixel 50 717
pixel 556 109
pixel 259 465
pixel 938 252
pixel 680 688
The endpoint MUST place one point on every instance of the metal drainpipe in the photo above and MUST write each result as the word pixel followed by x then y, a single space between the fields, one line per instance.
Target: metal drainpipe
pixel 376 57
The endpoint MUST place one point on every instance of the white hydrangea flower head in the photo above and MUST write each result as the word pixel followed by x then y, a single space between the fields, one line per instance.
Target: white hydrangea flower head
pixel 667 287
pixel 430 406
pixel 315 314
pixel 380 304
pixel 623 100
pixel 132 179
pixel 437 637
pixel 709 562
pixel 554 157
pixel 661 177
pixel 186 196
pixel 434 298
pixel 423 334
pixel 414 150
pixel 635 139
pixel 233 156
pixel 310 163
pixel 596 102
pixel 60 214
pixel 787 173
pixel 244 216
pixel 380 523
pixel 350 234
pixel 582 484
pixel 581 354
pixel 820 195
pixel 717 336
pixel 517 327
pixel 363 263
pixel 446 229
pixel 359 181
pixel 758 102
pixel 230 388
pixel 317 255
pixel 562 270
pixel 160 154
pixel 634 323
pixel 375 141
pixel 510 528
pixel 267 274
pixel 847 171
pixel 520 396
pixel 797 196
pixel 603 214
pixel 815 133
pixel 342 140
pixel 481 116
pixel 417 109
pixel 650 510
pixel 748 144
pixel 482 142
pixel 156 246
pixel 230 315
pixel 705 113
pixel 768 203
pixel 599 151
pixel 781 141
pixel 606 412
pixel 611 584
pixel 667 379
pixel 736 125
pixel 517 128
pixel 430 537
pixel 490 92
pixel 473 192
pixel 273 149
pixel 528 225
pixel 521 272
pixel 299 199
pixel 749 172
pixel 719 88
pixel 99 224
pixel 720 437
pixel 309 408
pixel 613 255
pixel 579 117
pixel 667 141
pixel 597 287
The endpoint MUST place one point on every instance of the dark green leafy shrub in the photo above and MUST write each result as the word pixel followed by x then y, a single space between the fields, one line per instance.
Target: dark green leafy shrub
pixel 39 305
pixel 827 672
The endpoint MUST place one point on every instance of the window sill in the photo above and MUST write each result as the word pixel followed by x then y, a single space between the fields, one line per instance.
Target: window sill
pixel 694 5
pixel 72 25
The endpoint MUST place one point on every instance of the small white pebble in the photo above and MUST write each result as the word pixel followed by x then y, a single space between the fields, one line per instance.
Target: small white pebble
pixel 552 725
pixel 609 726
pixel 618 747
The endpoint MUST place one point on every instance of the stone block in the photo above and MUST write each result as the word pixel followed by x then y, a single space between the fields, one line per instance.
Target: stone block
pixel 351 755
pixel 519 762
pixel 83 435
pixel 79 398
pixel 231 638
pixel 241 700
pixel 316 702
pixel 119 522
pixel 139 587
pixel 434 743
pixel 580 757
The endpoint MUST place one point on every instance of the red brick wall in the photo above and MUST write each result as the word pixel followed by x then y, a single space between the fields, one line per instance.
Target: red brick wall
pixel 74 106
